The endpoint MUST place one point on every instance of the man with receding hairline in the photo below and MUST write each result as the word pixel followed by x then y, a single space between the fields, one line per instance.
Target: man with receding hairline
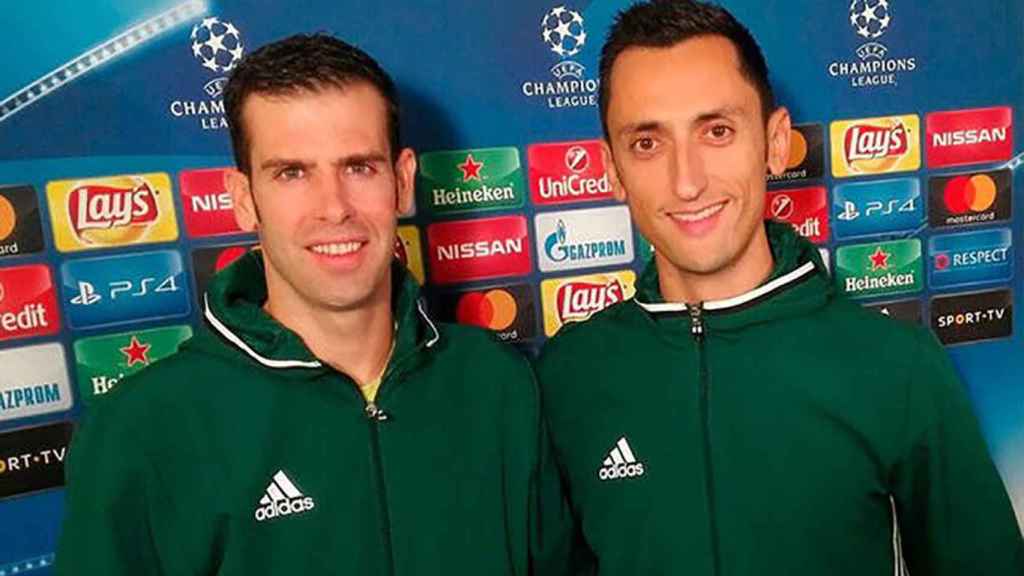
pixel 738 416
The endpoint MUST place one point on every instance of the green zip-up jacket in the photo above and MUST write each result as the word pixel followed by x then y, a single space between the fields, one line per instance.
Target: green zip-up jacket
pixel 243 454
pixel 786 431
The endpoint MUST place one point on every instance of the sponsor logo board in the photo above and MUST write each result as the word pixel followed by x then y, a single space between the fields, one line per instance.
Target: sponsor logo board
pixel 32 459
pixel 103 361
pixel 28 302
pixel 206 262
pixel 478 249
pixel 208 207
pixel 971 198
pixel 964 318
pixel 125 288
pixel 877 207
pixel 577 298
pixel 470 180
pixel 879 268
pixel 906 310
pixel 21 229
pixel 806 154
pixel 584 238
pixel 971 257
pixel 34 381
pixel 409 251
pixel 509 311
pixel 961 137
pixel 107 212
pixel 805 208
pixel 880 145
pixel 567 172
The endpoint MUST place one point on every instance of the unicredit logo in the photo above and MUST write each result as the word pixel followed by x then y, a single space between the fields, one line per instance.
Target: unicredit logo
pixel 567 172
pixel 28 302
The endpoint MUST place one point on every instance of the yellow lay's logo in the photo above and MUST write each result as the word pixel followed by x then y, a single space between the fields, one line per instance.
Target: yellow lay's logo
pixel 577 298
pixel 409 251
pixel 876 145
pixel 115 211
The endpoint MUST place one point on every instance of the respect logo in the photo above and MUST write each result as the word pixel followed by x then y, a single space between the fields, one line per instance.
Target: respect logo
pixel 577 298
pixel 879 269
pixel 115 211
pixel 971 257
pixel 875 145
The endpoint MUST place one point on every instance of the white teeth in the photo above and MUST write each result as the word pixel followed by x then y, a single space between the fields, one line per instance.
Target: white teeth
pixel 697 216
pixel 336 249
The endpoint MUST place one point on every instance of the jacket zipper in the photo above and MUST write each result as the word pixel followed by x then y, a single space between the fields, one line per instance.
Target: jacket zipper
pixel 375 417
pixel 697 330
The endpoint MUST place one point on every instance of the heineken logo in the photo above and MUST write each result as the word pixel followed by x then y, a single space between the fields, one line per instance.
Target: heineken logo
pixel 104 361
pixel 471 180
pixel 880 268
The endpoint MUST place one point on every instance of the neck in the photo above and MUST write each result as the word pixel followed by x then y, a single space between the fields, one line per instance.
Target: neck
pixel 354 341
pixel 742 275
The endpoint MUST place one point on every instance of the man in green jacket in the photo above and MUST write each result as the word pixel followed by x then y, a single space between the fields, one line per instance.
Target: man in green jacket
pixel 320 422
pixel 738 417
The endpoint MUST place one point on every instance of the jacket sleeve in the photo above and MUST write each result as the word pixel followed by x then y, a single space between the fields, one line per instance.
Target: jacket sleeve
pixel 954 516
pixel 108 520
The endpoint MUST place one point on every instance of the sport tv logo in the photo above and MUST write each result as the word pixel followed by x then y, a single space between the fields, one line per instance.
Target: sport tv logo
pixel 970 198
pixel 973 317
pixel 32 459
pixel 21 230
pixel 971 258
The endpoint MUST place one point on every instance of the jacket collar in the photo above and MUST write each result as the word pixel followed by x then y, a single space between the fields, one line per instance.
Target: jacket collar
pixel 233 309
pixel 799 282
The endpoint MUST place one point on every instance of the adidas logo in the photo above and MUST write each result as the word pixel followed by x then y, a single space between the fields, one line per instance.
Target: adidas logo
pixel 620 463
pixel 282 498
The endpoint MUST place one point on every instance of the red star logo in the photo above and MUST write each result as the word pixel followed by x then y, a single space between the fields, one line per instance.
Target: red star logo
pixel 470 168
pixel 136 352
pixel 879 260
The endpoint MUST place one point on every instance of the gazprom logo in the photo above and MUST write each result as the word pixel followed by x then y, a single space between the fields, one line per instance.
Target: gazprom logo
pixel 583 238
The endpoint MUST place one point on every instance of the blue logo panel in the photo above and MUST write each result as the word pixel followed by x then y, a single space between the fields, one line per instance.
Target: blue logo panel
pixel 971 258
pixel 123 289
pixel 878 207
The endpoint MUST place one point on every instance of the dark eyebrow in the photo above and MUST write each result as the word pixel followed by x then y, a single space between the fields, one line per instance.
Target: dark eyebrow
pixel 362 158
pixel 726 112
pixel 275 163
pixel 641 126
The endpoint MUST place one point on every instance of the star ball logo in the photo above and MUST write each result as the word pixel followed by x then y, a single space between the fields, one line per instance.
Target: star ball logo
pixel 583 238
pixel 577 298
pixel 877 207
pixel 567 172
pixel 869 21
pixel 970 198
pixel 879 269
pixel 113 211
pixel 806 154
pixel 805 208
pixel 126 288
pixel 974 317
pixel 478 249
pixel 103 361
pixel 563 32
pixel 28 302
pixel 509 311
pixel 961 137
pixel 217 46
pixel 32 459
pixel 971 257
pixel 471 180
pixel 21 230
pixel 875 145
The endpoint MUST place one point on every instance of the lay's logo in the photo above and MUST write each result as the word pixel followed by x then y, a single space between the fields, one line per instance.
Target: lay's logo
pixel 116 211
pixel 875 146
pixel 577 298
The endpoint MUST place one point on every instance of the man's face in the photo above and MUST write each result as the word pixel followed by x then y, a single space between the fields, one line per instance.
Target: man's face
pixel 323 195
pixel 688 144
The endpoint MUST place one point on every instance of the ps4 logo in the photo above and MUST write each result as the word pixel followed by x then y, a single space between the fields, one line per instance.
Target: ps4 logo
pixel 88 295
pixel 877 208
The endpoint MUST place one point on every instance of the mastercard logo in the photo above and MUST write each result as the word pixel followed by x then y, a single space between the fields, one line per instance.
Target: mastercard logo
pixel 494 309
pixel 229 255
pixel 974 193
pixel 8 218
pixel 797 149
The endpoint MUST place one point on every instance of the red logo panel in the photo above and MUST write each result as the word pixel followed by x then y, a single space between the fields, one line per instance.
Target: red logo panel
pixel 209 210
pixel 805 208
pixel 478 249
pixel 28 302
pixel 969 136
pixel 567 172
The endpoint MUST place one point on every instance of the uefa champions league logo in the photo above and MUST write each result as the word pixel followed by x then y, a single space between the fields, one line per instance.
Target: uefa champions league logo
pixel 562 30
pixel 217 45
pixel 869 18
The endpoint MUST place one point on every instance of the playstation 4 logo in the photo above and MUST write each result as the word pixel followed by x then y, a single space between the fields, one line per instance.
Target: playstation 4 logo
pixel 87 295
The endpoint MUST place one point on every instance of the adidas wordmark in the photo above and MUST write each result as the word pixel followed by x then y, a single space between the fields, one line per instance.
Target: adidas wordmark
pixel 282 498
pixel 620 463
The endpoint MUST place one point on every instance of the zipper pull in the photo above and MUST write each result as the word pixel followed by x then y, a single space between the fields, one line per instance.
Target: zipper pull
pixel 696 320
pixel 376 413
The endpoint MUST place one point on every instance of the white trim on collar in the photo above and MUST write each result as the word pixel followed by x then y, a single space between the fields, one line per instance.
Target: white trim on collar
pixel 805 269
pixel 234 339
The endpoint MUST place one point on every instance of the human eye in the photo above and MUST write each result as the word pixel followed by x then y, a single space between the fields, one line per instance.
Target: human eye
pixel 643 145
pixel 719 133
pixel 362 168
pixel 290 173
